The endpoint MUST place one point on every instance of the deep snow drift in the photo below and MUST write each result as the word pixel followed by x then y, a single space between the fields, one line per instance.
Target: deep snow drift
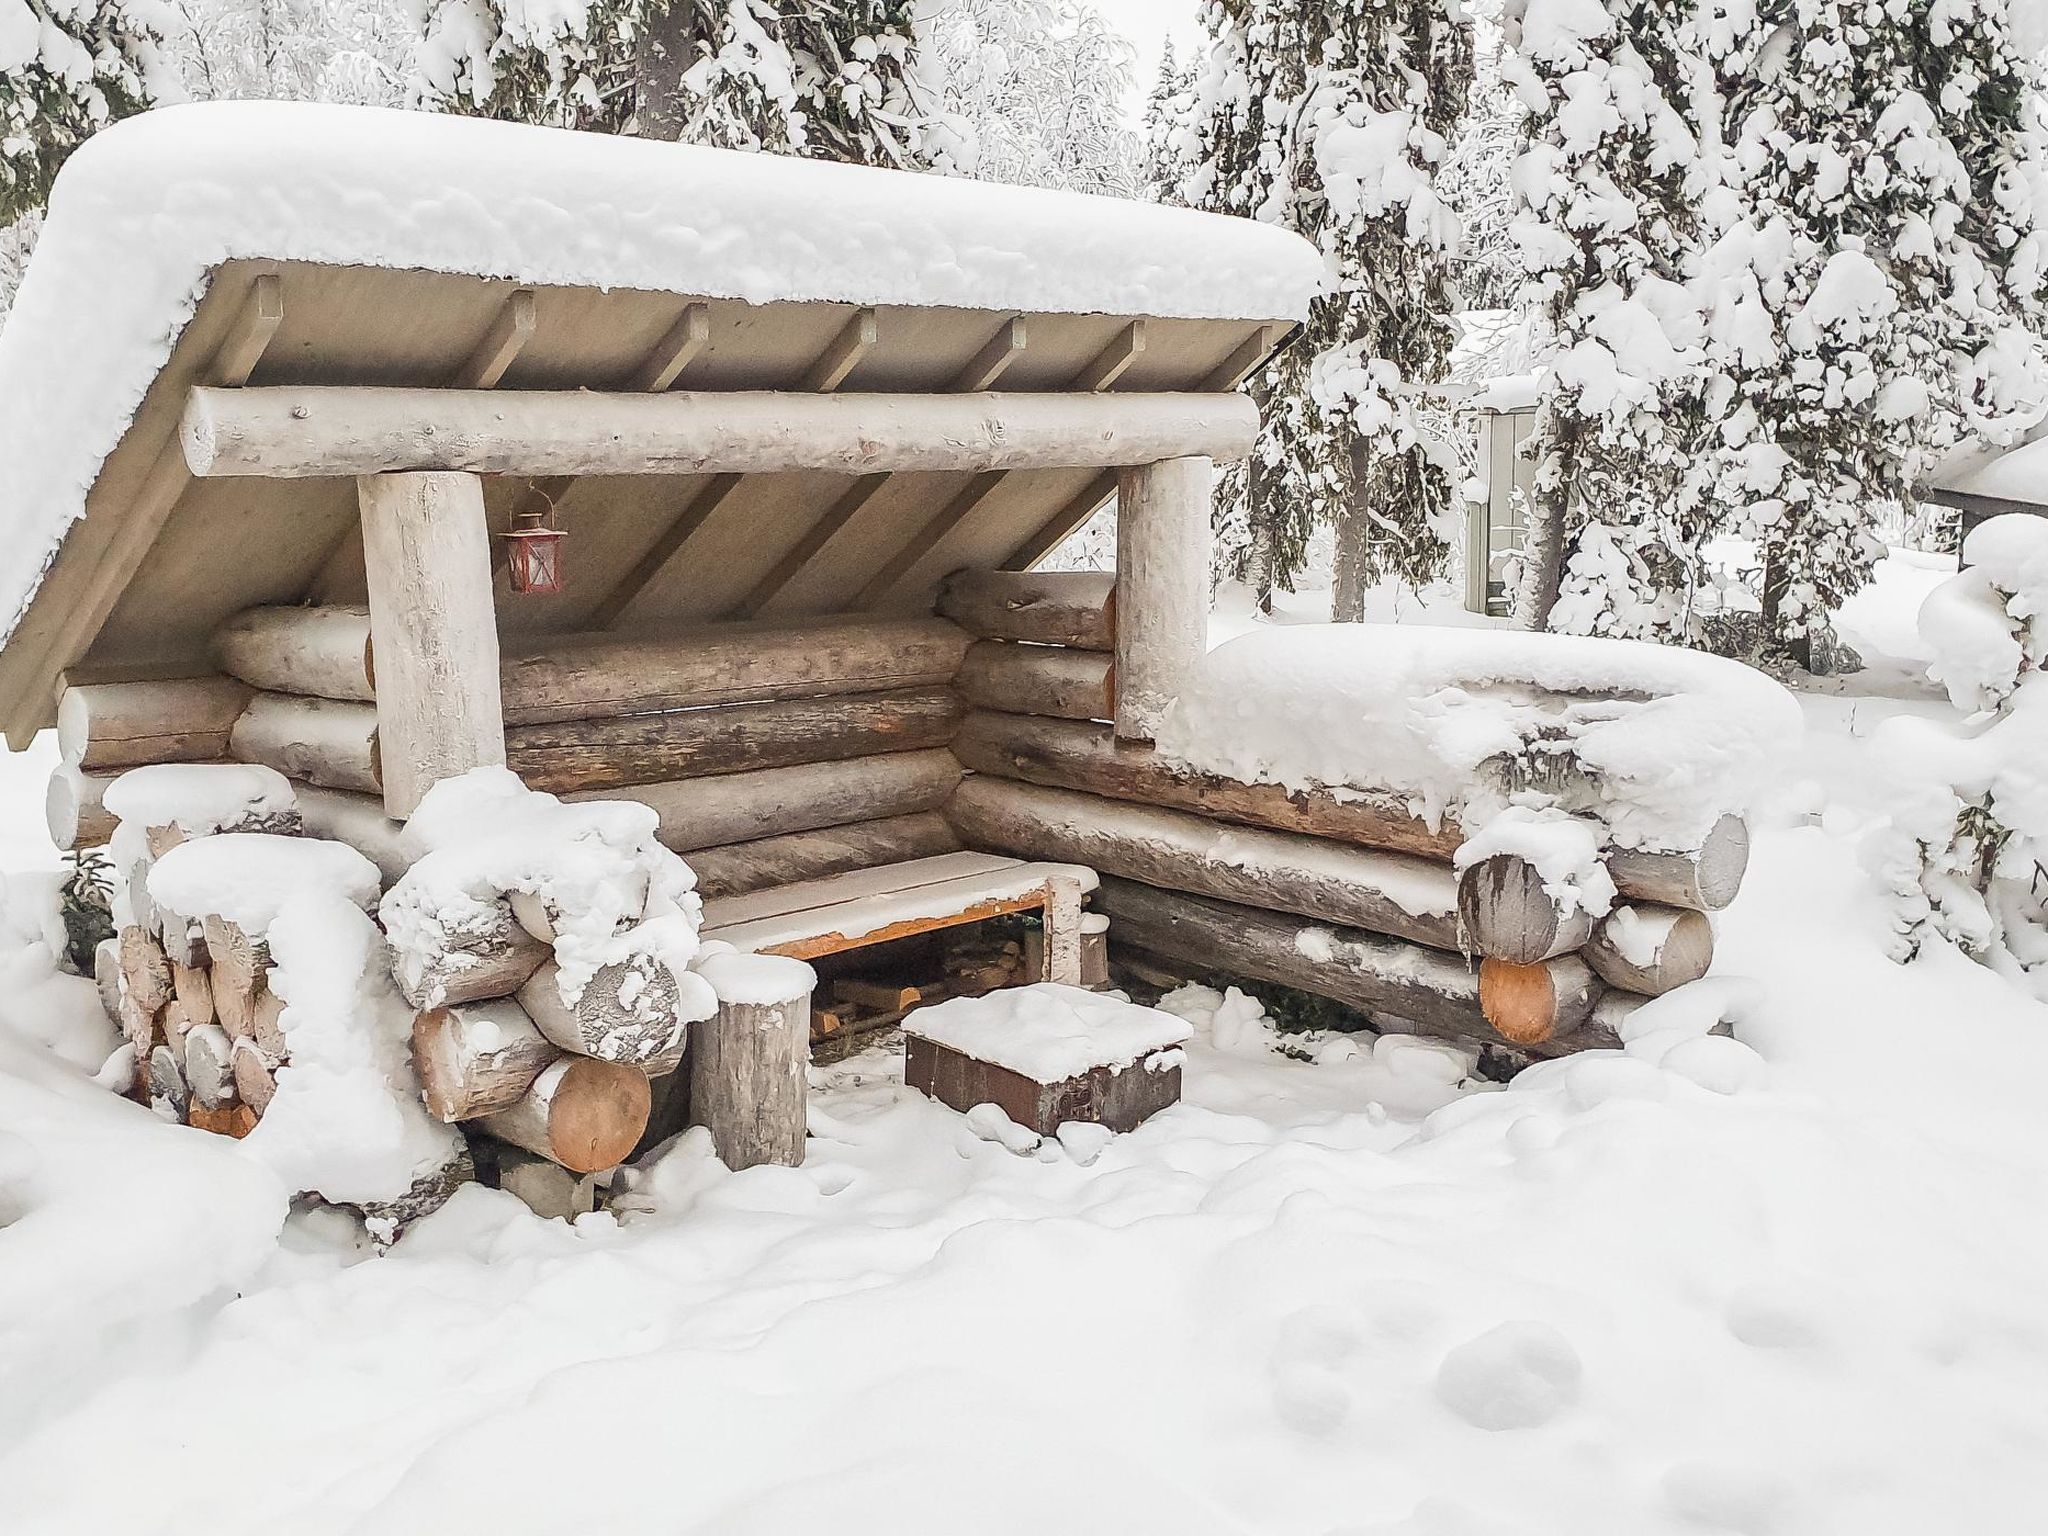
pixel 1679 1289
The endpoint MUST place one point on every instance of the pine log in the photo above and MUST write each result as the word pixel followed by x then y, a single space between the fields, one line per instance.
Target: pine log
pixel 494 961
pixel 1065 754
pixel 554 677
pixel 145 969
pixel 798 856
pixel 601 1022
pixel 209 1067
pixel 1039 680
pixel 320 651
pixel 321 741
pixel 122 725
pixel 343 816
pixel 771 802
pixel 571 755
pixel 1076 608
pixel 747 1070
pixel 75 810
pixel 585 1115
pixel 255 1076
pixel 1538 1003
pixel 1163 511
pixel 106 976
pixel 1650 949
pixel 1508 915
pixel 1704 881
pixel 1383 892
pixel 478 1059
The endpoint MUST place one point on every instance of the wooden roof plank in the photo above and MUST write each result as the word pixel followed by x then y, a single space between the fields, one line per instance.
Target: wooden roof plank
pixel 501 344
pixel 675 351
pixel 936 527
pixel 1054 530
pixel 993 360
pixel 854 341
pixel 807 548
pixel 1246 357
pixel 694 514
pixel 1109 364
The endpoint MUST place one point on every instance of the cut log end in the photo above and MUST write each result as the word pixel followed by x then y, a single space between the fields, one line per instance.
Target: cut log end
pixel 585 1115
pixel 1535 1003
pixel 1506 913
pixel 1651 949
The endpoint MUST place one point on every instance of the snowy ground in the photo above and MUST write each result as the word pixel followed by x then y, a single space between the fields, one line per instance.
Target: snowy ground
pixel 1296 1304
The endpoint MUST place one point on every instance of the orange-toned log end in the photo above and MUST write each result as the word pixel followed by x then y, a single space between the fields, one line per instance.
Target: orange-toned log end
pixel 596 1114
pixel 1535 1003
pixel 237 1121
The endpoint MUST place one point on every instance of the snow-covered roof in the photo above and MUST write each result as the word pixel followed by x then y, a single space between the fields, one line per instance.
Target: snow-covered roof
pixel 399 237
pixel 2015 474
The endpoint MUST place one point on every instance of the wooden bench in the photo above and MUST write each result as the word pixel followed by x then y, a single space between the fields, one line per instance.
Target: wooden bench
pixel 894 901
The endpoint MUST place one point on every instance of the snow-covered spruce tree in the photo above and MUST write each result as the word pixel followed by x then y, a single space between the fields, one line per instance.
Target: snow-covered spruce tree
pixel 1614 186
pixel 1038 88
pixel 1167 165
pixel 67 69
pixel 1331 119
pixel 1875 297
pixel 1477 181
pixel 839 81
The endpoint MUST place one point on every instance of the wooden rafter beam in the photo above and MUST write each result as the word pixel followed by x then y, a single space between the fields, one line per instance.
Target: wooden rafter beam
pixel 675 351
pixel 1055 530
pixel 1109 364
pixel 993 360
pixel 807 549
pixel 1247 356
pixel 935 528
pixel 694 514
pixel 510 330
pixel 854 341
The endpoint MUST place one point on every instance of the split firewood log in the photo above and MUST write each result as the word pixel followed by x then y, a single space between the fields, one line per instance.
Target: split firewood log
pixel 478 1058
pixel 1651 949
pixel 255 1076
pixel 236 1120
pixel 492 961
pixel 210 1067
pixel 168 1092
pixel 266 1024
pixel 237 961
pixel 1506 914
pixel 1542 1001
pixel 146 969
pixel 106 975
pixel 191 1002
pixel 628 1011
pixel 584 1114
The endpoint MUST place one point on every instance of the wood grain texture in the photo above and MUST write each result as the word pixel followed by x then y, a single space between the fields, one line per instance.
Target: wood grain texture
pixel 1507 914
pixel 1074 608
pixel 325 651
pixel 124 725
pixel 799 856
pixel 1048 680
pixel 747 1081
pixel 1537 1003
pixel 1162 562
pixel 583 1114
pixel 478 1059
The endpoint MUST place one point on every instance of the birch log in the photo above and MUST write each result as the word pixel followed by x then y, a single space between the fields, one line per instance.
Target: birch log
pixel 321 651
pixel 1705 881
pixel 479 1059
pixel 1039 680
pixel 772 802
pixel 1162 562
pixel 321 741
pixel 1076 608
pixel 798 856
pixel 122 725
pixel 1507 914
pixel 74 808
pixel 1387 893
pixel 1537 1003
pixel 627 1011
pixel 584 1114
pixel 1650 949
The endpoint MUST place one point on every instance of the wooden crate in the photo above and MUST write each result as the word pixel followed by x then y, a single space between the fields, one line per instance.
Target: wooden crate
pixel 1121 1098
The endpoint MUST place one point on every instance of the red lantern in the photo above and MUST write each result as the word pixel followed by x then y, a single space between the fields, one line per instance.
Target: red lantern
pixel 536 564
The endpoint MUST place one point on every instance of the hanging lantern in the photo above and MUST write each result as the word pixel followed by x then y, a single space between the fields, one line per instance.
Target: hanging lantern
pixel 536 550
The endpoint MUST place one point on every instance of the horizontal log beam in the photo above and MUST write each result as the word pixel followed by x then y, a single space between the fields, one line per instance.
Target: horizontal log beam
pixel 798 856
pixel 1074 608
pixel 296 431
pixel 1045 680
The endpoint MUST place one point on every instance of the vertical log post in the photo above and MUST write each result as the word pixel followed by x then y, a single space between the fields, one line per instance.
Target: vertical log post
pixel 433 627
pixel 1162 587
pixel 748 1061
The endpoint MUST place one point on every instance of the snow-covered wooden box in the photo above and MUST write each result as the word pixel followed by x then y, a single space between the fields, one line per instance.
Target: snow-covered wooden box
pixel 1047 1054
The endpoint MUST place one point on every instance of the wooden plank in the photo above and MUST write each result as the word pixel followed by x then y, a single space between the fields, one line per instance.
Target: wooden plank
pixel 993 360
pixel 261 314
pixel 426 550
pixel 1109 364
pixel 724 911
pixel 977 912
pixel 694 514
pixel 854 341
pixel 501 344
pixel 807 549
pixel 1058 528
pixel 885 914
pixel 935 528
pixel 675 351
pixel 1247 356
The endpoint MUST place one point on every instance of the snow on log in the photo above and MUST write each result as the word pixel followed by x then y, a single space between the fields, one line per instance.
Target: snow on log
pixel 747 1082
pixel 1383 892
pixel 1651 949
pixel 477 1060
pixel 585 1115
pixel 570 755
pixel 210 1067
pixel 121 725
pixel 246 878
pixel 203 798
pixel 1072 755
pixel 1162 561
pixel 1705 881
pixel 1039 680
pixel 799 856
pixel 631 1010
pixel 74 808
pixel 1076 608
pixel 1540 1002
pixel 321 741
pixel 771 802
pixel 557 677
pixel 342 816
pixel 323 431
pixel 478 954
pixel 1507 913
pixel 321 651
pixel 168 1093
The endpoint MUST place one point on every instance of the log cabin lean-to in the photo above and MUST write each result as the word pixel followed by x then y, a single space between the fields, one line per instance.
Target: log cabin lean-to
pixel 804 431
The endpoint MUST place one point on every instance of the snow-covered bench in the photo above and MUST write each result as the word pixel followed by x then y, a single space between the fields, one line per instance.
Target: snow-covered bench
pixel 894 901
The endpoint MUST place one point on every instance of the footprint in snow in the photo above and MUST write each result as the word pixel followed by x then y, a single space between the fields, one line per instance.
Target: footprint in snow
pixel 1517 1376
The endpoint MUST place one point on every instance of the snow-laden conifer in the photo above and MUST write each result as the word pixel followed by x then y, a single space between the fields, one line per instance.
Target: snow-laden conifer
pixel 67 69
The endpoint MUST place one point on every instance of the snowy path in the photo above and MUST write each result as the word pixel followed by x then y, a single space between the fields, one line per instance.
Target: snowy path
pixel 1809 1306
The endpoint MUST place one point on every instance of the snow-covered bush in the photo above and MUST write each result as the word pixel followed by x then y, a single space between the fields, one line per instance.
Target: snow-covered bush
pixel 1965 852
pixel 67 69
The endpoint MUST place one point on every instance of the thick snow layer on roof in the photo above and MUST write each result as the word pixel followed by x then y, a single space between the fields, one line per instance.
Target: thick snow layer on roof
pixel 144 211
pixel 1655 741
pixel 2019 474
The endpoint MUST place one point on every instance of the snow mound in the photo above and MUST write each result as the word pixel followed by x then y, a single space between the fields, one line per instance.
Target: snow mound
pixel 199 798
pixel 1516 1376
pixel 250 877
pixel 1655 741
pixel 1048 1032
pixel 148 207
